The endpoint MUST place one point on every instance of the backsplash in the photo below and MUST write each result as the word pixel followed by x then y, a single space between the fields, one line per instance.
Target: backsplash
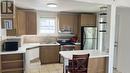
pixel 38 39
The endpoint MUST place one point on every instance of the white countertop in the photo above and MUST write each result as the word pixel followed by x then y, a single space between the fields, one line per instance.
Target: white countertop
pixel 24 47
pixel 93 53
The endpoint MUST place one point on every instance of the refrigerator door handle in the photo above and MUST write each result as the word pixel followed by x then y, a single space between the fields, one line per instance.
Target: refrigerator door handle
pixel 84 38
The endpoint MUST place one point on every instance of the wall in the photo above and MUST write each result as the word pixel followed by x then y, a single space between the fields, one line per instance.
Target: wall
pixel 125 3
pixel 38 39
pixel 124 40
pixel 97 1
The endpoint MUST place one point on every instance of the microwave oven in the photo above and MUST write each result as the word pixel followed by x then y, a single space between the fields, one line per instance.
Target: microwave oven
pixel 10 46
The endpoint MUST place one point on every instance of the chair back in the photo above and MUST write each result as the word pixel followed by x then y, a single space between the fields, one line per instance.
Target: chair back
pixel 80 63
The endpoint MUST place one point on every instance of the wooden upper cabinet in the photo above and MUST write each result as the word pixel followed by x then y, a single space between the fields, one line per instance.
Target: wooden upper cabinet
pixel 68 21
pixel 20 22
pixel 88 19
pixel 25 22
pixel 31 27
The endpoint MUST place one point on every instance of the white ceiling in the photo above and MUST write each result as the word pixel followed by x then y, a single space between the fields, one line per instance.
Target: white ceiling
pixel 63 5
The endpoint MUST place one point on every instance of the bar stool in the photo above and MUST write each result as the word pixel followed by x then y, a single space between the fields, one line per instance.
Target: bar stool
pixel 79 64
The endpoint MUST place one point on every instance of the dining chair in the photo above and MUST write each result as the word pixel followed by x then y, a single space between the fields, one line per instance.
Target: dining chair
pixel 79 64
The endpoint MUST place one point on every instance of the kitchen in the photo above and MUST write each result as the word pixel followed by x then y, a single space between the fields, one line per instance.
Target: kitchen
pixel 36 36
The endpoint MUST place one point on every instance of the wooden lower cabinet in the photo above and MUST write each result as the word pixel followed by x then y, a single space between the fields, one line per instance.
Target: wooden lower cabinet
pixel 97 65
pixel 49 54
pixel 92 66
pixel 0 65
pixel 12 63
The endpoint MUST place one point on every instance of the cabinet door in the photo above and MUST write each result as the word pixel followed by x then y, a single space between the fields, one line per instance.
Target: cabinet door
pixel 92 65
pixel 97 65
pixel 21 22
pixel 68 21
pixel 88 20
pixel 12 63
pixel 0 64
pixel 102 65
pixel 31 27
pixel 49 54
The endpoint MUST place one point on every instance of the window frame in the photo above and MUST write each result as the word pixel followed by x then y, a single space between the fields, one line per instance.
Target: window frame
pixel 47 34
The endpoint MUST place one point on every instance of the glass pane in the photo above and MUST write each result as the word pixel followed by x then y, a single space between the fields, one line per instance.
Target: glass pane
pixel 47 25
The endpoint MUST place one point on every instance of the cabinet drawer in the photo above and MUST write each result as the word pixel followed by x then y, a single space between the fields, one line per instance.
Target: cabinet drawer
pixel 17 71
pixel 12 65
pixel 11 57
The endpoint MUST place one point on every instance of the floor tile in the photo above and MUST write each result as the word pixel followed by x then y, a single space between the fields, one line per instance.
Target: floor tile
pixel 52 68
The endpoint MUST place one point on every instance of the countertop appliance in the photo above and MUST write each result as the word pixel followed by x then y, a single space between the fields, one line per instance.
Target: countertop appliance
pixel 10 46
pixel 88 38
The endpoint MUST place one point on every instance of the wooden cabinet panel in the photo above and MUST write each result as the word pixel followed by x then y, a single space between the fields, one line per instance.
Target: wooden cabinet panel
pixel 31 27
pixel 21 22
pixel 18 71
pixel 25 22
pixel 12 63
pixel 0 65
pixel 101 65
pixel 76 24
pixel 11 57
pixel 97 65
pixel 88 20
pixel 49 54
pixel 68 21
pixel 92 66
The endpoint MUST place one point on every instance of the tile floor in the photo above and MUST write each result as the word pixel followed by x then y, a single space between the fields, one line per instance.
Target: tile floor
pixel 49 68
pixel 52 68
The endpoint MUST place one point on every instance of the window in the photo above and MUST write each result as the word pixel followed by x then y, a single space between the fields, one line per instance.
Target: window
pixel 48 25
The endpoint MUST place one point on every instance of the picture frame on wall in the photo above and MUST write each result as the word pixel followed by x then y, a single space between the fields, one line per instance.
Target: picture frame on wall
pixel 7 24
pixel 7 7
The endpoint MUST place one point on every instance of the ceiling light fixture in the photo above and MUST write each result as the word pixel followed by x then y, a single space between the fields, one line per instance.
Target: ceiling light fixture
pixel 53 5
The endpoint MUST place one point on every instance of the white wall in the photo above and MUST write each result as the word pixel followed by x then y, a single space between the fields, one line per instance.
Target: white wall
pixel 124 40
pixel 125 3
pixel 97 1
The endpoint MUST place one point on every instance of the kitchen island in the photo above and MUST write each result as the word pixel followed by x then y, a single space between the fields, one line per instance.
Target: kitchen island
pixel 98 61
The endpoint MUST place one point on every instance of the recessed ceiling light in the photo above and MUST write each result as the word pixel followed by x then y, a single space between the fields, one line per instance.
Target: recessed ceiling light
pixel 51 5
